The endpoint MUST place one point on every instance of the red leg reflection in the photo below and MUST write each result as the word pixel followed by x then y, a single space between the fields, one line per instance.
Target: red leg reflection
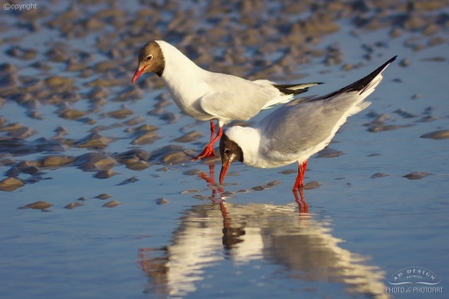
pixel 301 201
pixel 210 179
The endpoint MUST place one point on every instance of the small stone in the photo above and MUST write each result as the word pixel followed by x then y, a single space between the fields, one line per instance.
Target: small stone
pixel 128 181
pixel 94 162
pixel 189 137
pixel 105 174
pixel 379 175
pixel 52 161
pixel 71 114
pixel 188 191
pixel 312 185
pixel 11 184
pixel 272 184
pixel 56 81
pixel 329 153
pixel 387 128
pixel 38 205
pixel 192 172
pixel 103 196
pixel 111 204
pixel 416 175
pixel 438 135
pixel 139 165
pixel 147 137
pixel 162 201
pixel 175 157
pixel 73 205
pixel 405 62
pixel 258 188
pixel 120 114
pixel 288 171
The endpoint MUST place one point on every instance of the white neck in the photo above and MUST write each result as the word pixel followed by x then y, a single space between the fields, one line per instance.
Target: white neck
pixel 181 75
pixel 249 140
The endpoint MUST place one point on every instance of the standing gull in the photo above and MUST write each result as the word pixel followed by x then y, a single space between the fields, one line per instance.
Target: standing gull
pixel 209 96
pixel 297 130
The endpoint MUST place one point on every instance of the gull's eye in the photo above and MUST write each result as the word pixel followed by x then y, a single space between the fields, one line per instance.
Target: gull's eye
pixel 227 151
pixel 149 57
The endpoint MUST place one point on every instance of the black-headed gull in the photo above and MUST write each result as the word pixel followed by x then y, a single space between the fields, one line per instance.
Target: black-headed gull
pixel 297 130
pixel 206 95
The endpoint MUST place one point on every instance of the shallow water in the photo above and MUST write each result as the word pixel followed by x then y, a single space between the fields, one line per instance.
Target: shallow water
pixel 359 231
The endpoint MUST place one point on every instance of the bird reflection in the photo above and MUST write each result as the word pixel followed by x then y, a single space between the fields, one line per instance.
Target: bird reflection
pixel 300 245
pixel 218 190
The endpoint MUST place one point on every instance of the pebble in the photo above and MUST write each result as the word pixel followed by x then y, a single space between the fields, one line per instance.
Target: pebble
pixel 71 114
pixel 438 135
pixel 130 93
pixel 379 175
pixel 73 205
pixel 134 121
pixel 54 160
pixel 289 171
pixel 128 181
pixel 94 140
pixel 312 185
pixel 175 157
pixel 120 114
pixel 57 81
pixel 38 205
pixel 329 153
pixel 111 204
pixel 188 191
pixel 145 137
pixel 13 172
pixel 383 128
pixel 189 137
pixel 272 184
pixel 103 196
pixel 416 175
pixel 94 162
pixel 105 174
pixel 170 117
pixel 199 196
pixel 404 114
pixel 10 184
pixel 192 172
pixel 139 165
pixel 162 201
pixel 99 92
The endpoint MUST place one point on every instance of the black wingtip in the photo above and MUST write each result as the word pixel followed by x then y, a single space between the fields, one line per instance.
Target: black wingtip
pixel 362 83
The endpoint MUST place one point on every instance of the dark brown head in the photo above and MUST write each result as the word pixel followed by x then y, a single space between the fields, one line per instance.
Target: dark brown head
pixel 229 151
pixel 150 59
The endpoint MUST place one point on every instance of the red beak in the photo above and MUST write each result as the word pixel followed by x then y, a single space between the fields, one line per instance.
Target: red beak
pixel 223 170
pixel 138 73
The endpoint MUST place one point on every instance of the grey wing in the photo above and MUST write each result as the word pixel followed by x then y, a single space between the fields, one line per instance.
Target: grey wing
pixel 234 98
pixel 309 122
pixel 302 124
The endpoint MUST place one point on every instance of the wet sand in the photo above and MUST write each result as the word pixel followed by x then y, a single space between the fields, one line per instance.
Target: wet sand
pixel 76 136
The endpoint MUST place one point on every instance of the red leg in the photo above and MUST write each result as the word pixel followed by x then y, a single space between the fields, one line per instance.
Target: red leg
pixel 212 130
pixel 209 149
pixel 300 177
